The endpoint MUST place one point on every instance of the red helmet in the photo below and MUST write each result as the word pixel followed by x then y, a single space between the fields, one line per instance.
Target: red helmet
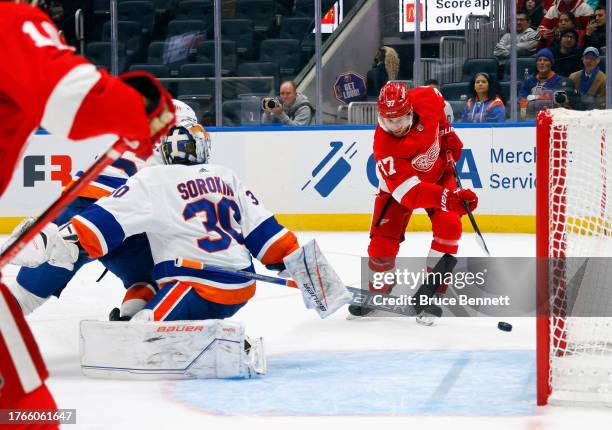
pixel 394 101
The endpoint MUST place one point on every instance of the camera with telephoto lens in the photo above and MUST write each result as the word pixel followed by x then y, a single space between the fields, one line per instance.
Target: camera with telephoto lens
pixel 270 103
pixel 561 97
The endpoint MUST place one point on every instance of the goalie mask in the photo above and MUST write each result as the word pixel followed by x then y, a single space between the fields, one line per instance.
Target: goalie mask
pixel 186 146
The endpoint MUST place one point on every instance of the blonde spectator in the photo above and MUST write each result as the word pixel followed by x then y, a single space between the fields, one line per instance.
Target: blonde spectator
pixel 385 68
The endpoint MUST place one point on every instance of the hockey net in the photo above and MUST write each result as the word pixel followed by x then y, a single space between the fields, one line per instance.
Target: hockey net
pixel 574 224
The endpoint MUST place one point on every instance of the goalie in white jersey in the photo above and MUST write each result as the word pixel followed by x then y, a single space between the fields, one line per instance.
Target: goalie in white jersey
pixel 194 213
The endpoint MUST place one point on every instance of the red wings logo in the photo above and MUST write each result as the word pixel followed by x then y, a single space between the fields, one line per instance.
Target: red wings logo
pixel 425 162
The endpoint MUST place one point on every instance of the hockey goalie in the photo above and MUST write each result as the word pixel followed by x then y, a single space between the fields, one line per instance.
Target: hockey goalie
pixel 195 215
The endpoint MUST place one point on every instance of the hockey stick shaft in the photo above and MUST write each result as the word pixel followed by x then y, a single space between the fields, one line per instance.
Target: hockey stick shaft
pixel 181 262
pixel 72 192
pixel 479 238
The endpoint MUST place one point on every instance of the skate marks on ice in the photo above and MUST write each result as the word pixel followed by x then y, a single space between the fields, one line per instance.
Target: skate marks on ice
pixel 459 383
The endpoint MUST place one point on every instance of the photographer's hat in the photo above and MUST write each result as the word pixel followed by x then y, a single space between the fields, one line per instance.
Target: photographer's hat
pixel 591 50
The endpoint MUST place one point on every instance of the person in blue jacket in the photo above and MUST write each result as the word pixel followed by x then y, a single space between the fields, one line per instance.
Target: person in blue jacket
pixel 540 87
pixel 485 103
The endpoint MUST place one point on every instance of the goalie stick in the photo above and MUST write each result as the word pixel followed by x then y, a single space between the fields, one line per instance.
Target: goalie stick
pixel 321 287
pixel 53 211
pixel 479 237
pixel 360 297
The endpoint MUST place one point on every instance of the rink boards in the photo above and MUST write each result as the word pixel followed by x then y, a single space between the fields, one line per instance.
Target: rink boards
pixel 315 178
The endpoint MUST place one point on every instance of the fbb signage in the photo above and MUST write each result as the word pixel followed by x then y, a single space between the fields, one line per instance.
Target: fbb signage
pixel 37 167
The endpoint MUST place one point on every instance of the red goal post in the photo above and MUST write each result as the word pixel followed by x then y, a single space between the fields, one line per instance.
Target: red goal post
pixel 573 222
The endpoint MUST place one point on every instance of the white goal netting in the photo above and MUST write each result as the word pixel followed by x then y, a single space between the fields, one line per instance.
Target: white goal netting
pixel 580 244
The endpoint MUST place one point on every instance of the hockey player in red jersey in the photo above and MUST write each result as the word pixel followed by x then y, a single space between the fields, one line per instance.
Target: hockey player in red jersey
pixel 411 143
pixel 43 83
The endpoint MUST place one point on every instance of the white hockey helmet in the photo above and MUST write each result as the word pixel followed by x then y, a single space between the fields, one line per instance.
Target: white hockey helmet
pixel 185 116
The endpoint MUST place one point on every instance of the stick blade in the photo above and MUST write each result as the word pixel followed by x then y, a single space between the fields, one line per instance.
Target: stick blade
pixel 319 283
pixel 482 244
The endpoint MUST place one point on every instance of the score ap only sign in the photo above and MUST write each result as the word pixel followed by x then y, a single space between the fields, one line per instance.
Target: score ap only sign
pixel 440 15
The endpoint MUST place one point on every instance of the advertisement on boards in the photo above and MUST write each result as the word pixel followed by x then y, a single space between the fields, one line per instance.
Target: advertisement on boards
pixel 316 172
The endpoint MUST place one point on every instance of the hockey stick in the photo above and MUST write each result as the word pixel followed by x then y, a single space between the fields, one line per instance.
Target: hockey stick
pixel 321 288
pixel 479 238
pixel 72 192
pixel 180 262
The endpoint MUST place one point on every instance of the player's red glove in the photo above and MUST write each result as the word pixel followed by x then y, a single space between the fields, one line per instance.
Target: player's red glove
pixel 158 105
pixel 455 200
pixel 449 141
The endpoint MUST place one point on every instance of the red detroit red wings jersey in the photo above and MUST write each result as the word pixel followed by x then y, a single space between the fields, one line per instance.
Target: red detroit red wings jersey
pixel 405 163
pixel 21 367
pixel 42 82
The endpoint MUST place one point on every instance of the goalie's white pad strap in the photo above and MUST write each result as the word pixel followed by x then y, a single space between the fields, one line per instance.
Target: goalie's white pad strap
pixel 319 283
pixel 164 350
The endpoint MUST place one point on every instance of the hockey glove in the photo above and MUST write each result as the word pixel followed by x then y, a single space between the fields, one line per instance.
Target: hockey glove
pixel 449 141
pixel 455 201
pixel 158 105
pixel 47 246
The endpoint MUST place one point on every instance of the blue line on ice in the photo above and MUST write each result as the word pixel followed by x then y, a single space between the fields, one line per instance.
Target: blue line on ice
pixel 376 383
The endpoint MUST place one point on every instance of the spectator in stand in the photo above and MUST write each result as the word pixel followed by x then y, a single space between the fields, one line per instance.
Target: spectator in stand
pixel 581 10
pixel 595 34
pixel 385 68
pixel 485 103
pixel 567 21
pixel 526 40
pixel 535 11
pixel 590 81
pixel 547 4
pixel 448 109
pixel 294 109
pixel 537 91
pixel 568 57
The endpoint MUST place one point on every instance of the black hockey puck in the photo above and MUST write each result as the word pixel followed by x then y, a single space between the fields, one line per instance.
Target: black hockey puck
pixel 504 326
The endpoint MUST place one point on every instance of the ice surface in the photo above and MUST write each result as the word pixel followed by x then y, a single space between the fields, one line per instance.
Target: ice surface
pixel 459 374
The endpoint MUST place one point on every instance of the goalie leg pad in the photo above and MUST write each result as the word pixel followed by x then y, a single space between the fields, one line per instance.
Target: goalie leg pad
pixel 168 350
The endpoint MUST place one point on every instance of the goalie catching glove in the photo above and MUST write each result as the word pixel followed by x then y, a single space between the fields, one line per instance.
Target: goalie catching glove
pixel 159 109
pixel 52 245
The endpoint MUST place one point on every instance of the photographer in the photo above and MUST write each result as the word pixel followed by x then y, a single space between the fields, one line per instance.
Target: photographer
pixel 291 109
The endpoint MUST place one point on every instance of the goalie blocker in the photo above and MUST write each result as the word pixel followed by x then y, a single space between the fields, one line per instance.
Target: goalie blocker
pixel 169 350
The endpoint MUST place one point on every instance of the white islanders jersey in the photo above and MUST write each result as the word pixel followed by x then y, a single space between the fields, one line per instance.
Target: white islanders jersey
pixel 199 214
